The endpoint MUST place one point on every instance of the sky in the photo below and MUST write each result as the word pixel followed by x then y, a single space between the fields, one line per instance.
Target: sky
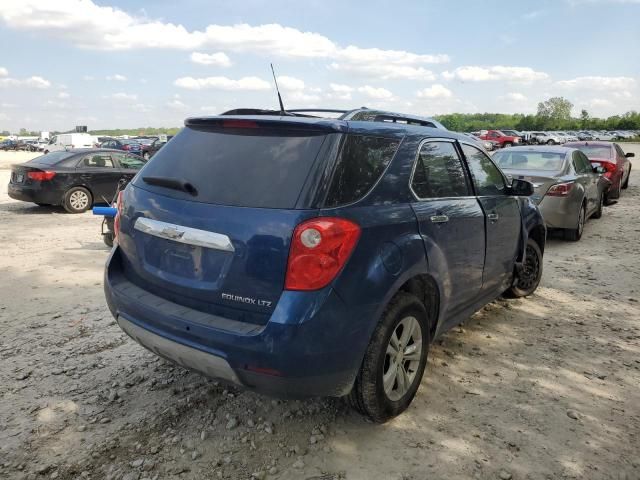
pixel 137 63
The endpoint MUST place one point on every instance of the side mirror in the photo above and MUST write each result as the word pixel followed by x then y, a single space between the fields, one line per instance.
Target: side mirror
pixel 629 154
pixel 521 188
pixel 599 169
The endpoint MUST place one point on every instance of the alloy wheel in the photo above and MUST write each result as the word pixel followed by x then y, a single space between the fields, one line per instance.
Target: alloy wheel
pixel 79 200
pixel 402 358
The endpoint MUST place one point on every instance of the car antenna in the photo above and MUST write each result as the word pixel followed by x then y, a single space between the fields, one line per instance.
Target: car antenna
pixel 282 110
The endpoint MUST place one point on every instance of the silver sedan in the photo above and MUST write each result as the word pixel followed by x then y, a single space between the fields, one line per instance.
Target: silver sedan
pixel 568 189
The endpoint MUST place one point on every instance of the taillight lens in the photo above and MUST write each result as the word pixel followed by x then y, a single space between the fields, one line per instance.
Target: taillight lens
pixel 41 176
pixel 560 189
pixel 116 220
pixel 125 147
pixel 319 249
pixel 610 168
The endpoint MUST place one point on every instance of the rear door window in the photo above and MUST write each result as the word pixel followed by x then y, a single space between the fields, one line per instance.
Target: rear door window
pixel 438 172
pixel 97 160
pixel 248 167
pixel 487 178
pixel 360 164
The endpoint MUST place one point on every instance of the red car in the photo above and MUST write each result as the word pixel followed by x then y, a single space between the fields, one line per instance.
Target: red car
pixel 610 156
pixel 501 138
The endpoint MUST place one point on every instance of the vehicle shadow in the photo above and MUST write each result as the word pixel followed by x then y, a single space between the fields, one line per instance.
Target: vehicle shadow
pixel 30 208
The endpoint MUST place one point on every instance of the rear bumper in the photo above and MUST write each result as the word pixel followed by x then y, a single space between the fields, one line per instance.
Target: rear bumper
pixel 306 349
pixel 559 212
pixel 34 194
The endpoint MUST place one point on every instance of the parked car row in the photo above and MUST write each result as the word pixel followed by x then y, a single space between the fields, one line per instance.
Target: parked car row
pixel 572 183
pixel 507 138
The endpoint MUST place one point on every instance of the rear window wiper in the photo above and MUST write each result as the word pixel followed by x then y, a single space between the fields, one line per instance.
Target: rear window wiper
pixel 174 183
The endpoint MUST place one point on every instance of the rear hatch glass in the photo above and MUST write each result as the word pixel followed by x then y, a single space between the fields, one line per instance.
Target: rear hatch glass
pixel 248 167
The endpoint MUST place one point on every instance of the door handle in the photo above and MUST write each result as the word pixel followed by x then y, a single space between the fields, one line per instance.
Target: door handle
pixel 493 217
pixel 439 219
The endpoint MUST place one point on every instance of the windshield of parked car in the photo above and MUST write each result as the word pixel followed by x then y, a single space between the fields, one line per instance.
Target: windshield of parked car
pixel 595 151
pixel 52 158
pixel 549 161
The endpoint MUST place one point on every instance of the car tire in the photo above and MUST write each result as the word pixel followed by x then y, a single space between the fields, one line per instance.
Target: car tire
pixel 575 234
pixel 77 200
pixel 598 213
pixel 550 142
pixel 526 282
pixel 46 152
pixel 382 398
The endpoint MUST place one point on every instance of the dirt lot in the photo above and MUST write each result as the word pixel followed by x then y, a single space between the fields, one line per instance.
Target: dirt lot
pixel 544 387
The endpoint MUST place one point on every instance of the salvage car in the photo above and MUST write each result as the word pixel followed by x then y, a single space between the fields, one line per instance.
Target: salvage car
pixel 568 189
pixel 76 179
pixel 310 256
pixel 614 160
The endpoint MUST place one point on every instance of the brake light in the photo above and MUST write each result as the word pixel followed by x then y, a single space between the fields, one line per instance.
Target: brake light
pixel 560 189
pixel 41 176
pixel 319 249
pixel 116 220
pixel 610 169
pixel 125 147
pixel 239 124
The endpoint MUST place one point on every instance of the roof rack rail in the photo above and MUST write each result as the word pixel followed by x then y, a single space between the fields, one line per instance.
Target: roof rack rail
pixel 367 115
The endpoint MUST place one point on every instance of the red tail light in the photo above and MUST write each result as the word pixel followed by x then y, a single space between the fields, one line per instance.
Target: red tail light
pixel 41 176
pixel 116 220
pixel 125 147
pixel 560 189
pixel 319 249
pixel 610 169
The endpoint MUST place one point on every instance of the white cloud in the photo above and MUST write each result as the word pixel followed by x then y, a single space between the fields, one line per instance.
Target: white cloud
pixel 176 104
pixel 63 95
pixel 88 78
pixel 117 78
pixel 376 93
pixel 31 82
pixel 4 72
pixel 435 91
pixel 290 83
pixel 598 83
pixel 515 97
pixel 223 83
pixel 339 88
pixel 122 96
pixel 386 64
pixel 215 59
pixel 91 26
pixel 209 109
pixel 472 73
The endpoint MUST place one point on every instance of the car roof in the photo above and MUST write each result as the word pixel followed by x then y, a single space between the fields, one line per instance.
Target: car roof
pixel 539 148
pixel 598 143
pixel 79 151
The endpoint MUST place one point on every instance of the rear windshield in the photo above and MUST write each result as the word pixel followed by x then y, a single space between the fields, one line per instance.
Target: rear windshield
pixel 529 160
pixel 52 158
pixel 240 167
pixel 595 151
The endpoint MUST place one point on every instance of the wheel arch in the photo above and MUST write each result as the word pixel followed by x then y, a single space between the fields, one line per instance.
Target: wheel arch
pixel 539 235
pixel 425 288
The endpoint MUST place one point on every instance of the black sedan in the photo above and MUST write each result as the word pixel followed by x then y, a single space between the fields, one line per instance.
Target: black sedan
pixel 76 179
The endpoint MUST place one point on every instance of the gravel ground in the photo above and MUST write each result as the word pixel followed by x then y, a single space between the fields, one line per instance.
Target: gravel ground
pixel 543 387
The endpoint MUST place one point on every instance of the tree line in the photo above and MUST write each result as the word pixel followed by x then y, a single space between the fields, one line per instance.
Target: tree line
pixel 553 114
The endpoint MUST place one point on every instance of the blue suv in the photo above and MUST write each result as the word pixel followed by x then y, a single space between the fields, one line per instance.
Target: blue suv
pixel 305 256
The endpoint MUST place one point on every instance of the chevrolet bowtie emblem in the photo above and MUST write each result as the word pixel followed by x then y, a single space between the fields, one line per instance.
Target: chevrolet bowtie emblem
pixel 172 233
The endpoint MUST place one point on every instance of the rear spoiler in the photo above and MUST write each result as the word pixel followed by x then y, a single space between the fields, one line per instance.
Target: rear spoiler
pixel 236 122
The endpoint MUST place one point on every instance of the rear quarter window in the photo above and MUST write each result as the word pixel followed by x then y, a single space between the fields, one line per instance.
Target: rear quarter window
pixel 361 162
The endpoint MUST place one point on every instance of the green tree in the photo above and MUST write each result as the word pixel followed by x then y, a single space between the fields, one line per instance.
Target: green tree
pixel 556 110
pixel 584 118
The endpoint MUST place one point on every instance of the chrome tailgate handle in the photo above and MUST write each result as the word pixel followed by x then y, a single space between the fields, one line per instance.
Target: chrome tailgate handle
pixel 493 217
pixel 439 218
pixel 186 235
